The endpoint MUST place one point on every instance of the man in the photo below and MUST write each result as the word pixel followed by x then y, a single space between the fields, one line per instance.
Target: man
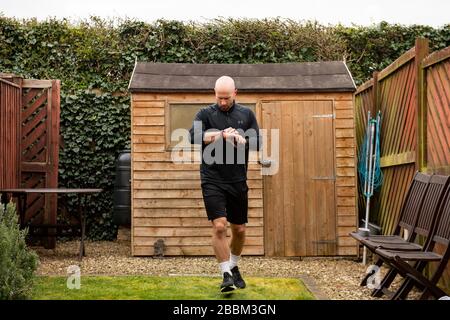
pixel 226 131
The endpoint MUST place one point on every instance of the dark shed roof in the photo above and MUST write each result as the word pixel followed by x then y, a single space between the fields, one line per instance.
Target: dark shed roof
pixel 332 76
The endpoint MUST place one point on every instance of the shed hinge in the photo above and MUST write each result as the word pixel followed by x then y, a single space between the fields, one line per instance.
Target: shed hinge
pixel 324 241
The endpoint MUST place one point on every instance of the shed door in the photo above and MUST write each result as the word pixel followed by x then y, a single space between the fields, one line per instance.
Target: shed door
pixel 299 201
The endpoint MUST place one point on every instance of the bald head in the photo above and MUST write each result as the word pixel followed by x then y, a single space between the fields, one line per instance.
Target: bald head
pixel 225 92
pixel 225 83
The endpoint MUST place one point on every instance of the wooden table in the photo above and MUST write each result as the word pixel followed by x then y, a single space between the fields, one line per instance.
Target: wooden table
pixel 21 195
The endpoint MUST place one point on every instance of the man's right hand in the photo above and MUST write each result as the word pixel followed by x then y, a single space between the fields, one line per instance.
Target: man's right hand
pixel 231 133
pixel 231 130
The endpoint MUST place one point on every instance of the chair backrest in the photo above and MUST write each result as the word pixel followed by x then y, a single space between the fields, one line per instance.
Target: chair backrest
pixel 431 205
pixel 413 203
pixel 441 234
pixel 441 230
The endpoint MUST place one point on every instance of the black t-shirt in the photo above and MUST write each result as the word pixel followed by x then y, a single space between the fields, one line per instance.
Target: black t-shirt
pixel 221 160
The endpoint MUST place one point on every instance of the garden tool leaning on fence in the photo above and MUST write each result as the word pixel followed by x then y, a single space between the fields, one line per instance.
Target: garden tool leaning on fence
pixel 369 169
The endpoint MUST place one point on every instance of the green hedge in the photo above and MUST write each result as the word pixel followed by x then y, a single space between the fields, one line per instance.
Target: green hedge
pixel 94 128
pixel 94 60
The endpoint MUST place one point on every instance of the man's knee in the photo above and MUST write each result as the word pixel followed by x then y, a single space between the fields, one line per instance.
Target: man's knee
pixel 220 227
pixel 238 230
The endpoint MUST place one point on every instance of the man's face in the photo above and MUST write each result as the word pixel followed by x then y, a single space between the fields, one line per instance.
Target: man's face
pixel 225 97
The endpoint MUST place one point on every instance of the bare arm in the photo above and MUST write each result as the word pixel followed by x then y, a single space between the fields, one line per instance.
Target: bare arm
pixel 211 136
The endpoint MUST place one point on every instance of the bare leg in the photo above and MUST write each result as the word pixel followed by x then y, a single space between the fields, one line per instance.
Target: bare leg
pixel 236 247
pixel 219 239
pixel 237 238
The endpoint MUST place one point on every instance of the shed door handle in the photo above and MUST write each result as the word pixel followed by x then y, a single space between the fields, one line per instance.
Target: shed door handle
pixel 265 163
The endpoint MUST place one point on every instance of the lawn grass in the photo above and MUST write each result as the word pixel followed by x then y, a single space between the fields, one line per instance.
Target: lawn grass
pixel 167 288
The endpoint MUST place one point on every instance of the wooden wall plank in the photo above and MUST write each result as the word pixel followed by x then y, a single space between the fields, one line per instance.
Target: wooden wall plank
pixel 149 111
pixel 345 133
pixel 150 130
pixel 288 178
pixel 346 191
pixel 193 251
pixel 179 175
pixel 185 222
pixel 346 241
pixel 170 166
pixel 346 210
pixel 182 184
pixel 300 185
pixel 182 203
pixel 324 166
pixel 148 147
pixel 175 231
pixel 180 212
pixel 347 251
pixel 345 181
pixel 345 172
pixel 138 138
pixel 192 241
pixel 344 123
pixel 345 152
pixel 149 121
pixel 345 114
pixel 345 143
pixel 345 201
pixel 183 194
pixel 346 221
pixel 345 162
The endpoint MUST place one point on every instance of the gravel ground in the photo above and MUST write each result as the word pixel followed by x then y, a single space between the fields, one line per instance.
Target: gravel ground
pixel 328 278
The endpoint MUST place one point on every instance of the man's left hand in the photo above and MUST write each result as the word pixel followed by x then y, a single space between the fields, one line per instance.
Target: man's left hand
pixel 233 133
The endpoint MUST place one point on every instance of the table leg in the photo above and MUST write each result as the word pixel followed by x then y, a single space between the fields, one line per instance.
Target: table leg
pixel 4 199
pixel 82 214
pixel 83 226
pixel 80 253
pixel 52 220
pixel 22 203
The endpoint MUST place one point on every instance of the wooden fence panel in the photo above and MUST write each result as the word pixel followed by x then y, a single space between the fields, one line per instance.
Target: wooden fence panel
pixel 392 194
pixel 437 100
pixel 10 101
pixel 364 102
pixel 397 105
pixel 397 90
pixel 437 68
pixel 39 147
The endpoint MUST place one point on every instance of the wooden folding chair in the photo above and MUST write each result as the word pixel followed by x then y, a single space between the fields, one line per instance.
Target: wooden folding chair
pixel 407 220
pixel 424 225
pixel 413 272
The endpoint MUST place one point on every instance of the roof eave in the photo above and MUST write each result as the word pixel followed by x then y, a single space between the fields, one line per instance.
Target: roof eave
pixel 282 90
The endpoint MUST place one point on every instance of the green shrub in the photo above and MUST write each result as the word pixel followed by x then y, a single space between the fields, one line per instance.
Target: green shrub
pixel 17 262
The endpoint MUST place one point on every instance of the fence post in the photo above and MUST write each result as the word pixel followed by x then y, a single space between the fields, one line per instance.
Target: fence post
pixel 53 156
pixel 19 81
pixel 421 51
pixel 376 95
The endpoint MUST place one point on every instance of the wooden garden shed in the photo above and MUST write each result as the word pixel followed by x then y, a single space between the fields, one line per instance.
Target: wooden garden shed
pixel 306 209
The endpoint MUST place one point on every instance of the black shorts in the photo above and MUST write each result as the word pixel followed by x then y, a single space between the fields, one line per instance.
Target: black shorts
pixel 229 200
